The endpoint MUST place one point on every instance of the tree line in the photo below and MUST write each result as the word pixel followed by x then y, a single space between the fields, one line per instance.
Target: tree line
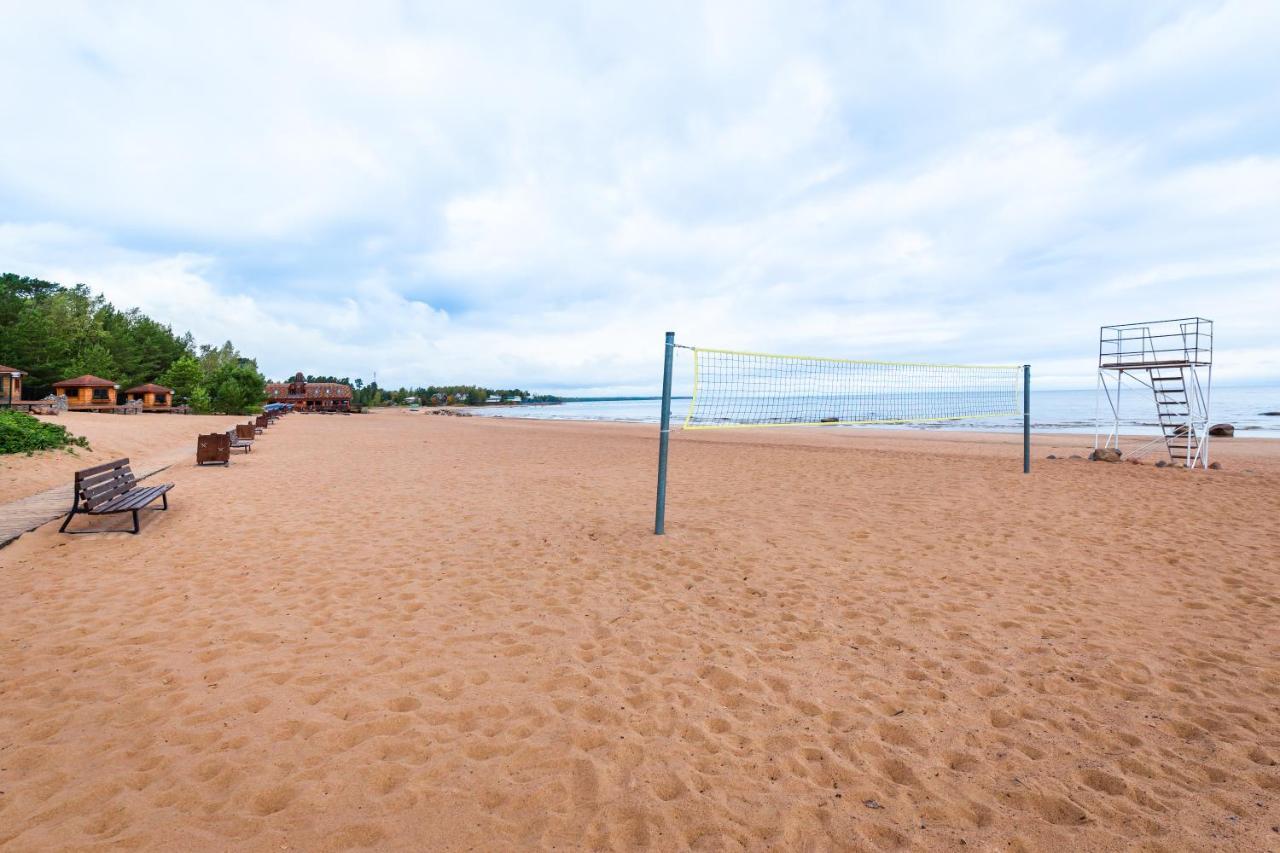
pixel 55 332
pixel 371 394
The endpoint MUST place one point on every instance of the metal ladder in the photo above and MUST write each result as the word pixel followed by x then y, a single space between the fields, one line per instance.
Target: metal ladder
pixel 1173 408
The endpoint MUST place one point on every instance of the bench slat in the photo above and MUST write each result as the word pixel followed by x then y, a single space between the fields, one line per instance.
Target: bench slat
pixel 134 499
pixel 106 497
pixel 107 477
pixel 98 469
pixel 96 493
pixel 100 482
pixel 128 500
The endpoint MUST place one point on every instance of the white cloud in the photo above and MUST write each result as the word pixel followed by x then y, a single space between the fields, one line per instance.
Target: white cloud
pixel 532 195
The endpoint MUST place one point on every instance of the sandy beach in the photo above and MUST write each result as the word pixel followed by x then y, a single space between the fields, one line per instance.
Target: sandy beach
pixel 147 440
pixel 403 632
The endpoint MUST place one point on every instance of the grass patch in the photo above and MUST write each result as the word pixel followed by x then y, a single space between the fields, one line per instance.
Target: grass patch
pixel 21 433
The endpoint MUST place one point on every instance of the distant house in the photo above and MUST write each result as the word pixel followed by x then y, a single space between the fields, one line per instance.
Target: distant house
pixel 88 392
pixel 10 384
pixel 515 398
pixel 494 398
pixel 154 398
pixel 310 396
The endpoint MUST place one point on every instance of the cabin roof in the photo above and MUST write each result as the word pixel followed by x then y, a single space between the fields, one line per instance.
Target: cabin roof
pixel 11 370
pixel 86 381
pixel 149 387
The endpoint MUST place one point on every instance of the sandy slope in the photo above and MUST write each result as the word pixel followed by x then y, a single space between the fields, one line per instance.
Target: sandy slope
pixel 145 439
pixel 405 632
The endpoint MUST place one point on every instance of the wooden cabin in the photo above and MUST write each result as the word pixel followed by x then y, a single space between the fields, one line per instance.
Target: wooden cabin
pixel 10 385
pixel 86 393
pixel 307 396
pixel 154 398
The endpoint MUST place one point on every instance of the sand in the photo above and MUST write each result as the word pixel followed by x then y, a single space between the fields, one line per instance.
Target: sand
pixel 406 632
pixel 148 440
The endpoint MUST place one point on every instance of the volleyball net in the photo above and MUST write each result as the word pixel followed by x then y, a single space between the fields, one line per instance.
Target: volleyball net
pixel 736 390
pixel 750 389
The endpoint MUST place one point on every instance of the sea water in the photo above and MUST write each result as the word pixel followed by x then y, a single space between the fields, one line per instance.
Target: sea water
pixel 1051 411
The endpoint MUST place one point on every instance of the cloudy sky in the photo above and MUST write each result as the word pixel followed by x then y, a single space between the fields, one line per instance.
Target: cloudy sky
pixel 530 194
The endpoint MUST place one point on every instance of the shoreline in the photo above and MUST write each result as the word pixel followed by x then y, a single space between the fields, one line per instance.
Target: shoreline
pixel 1249 433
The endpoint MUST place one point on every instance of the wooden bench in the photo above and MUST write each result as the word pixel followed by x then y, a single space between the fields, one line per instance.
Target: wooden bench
pixel 245 444
pixel 111 488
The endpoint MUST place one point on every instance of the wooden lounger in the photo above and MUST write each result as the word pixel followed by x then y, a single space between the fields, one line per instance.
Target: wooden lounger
pixel 214 449
pixel 237 442
pixel 111 488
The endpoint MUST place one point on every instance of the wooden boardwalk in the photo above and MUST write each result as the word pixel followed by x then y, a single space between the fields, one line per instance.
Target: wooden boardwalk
pixel 26 514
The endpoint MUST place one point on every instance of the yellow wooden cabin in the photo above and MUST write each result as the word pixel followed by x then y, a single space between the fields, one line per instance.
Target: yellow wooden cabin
pixel 155 398
pixel 10 385
pixel 88 392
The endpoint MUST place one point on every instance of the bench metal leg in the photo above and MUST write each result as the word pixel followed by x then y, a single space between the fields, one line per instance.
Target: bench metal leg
pixel 135 523
pixel 165 498
pixel 67 520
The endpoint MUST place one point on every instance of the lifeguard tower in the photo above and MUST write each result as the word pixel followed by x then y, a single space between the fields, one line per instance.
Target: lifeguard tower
pixel 1172 360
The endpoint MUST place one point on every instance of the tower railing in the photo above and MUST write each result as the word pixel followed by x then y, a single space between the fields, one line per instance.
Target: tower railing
pixel 1188 340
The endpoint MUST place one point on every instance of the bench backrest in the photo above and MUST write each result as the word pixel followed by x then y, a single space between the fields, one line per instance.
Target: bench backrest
pixel 99 484
pixel 244 431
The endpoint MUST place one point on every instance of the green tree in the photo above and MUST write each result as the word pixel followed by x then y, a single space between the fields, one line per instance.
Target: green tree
pixel 237 388
pixel 212 359
pixel 55 332
pixel 199 401
pixel 184 377
pixel 94 359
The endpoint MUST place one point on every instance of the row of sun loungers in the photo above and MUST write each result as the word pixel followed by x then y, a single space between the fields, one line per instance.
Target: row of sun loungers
pixel 215 448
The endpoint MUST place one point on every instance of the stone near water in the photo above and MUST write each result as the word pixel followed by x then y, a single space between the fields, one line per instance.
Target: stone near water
pixel 1105 454
pixel 1271 414
pixel 1051 456
pixel 1162 464
pixel 1222 430
pixel 1216 466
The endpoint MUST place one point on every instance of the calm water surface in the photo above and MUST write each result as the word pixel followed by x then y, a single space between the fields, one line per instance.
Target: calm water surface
pixel 1051 411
